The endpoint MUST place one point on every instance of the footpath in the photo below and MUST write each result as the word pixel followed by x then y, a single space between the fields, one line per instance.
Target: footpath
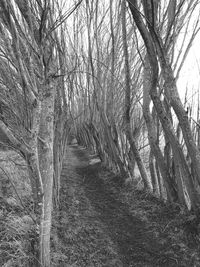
pixel 96 229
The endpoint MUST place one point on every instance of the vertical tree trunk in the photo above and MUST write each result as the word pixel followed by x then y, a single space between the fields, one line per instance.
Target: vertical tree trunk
pixel 113 150
pixel 154 178
pixel 151 128
pixel 60 139
pixel 46 134
pixel 132 142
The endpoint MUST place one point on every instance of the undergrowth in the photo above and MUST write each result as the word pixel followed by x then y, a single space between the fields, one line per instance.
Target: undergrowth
pixel 17 229
pixel 79 238
pixel 175 227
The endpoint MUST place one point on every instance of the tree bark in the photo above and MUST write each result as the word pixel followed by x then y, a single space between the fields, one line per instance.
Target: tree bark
pixel 164 119
pixel 132 142
pixel 155 149
pixel 46 133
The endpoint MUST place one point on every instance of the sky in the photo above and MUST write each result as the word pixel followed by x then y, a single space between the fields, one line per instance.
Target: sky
pixel 190 75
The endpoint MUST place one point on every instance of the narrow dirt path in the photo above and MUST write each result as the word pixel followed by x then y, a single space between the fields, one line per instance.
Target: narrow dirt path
pixel 136 247
pixel 96 229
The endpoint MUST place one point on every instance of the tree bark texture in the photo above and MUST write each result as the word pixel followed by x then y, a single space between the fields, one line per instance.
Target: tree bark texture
pixel 129 135
pixel 46 133
pixel 150 44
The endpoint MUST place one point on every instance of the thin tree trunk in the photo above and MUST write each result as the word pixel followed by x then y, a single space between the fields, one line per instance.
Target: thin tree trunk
pixel 164 119
pixel 154 178
pixel 171 193
pixel 172 95
pixel 132 142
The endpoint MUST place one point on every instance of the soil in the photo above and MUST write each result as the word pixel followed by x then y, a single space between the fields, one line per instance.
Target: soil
pixel 97 226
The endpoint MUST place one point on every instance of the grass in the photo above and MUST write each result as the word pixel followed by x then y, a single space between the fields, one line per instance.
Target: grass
pixel 81 232
pixel 175 228
pixel 16 225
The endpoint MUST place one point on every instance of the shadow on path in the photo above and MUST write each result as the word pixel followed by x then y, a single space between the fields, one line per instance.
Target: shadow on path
pixel 135 244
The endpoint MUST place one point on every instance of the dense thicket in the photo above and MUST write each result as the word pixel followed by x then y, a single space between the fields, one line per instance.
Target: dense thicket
pixel 128 104
pixel 33 102
pixel 105 72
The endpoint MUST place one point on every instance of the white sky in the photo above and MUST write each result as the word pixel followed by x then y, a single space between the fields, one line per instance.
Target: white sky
pixel 190 74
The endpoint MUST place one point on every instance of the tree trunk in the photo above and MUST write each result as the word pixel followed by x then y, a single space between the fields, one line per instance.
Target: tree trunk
pixel 154 178
pixel 155 149
pixel 163 116
pixel 46 133
pixel 132 142
pixel 61 132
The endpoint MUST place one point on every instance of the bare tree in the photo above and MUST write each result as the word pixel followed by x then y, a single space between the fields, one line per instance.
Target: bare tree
pixel 156 50
pixel 133 146
pixel 31 87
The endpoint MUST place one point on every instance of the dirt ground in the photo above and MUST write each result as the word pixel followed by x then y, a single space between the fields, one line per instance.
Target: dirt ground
pixel 97 227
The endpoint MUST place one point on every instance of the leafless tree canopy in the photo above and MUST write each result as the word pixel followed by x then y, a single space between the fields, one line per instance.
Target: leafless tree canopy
pixel 106 73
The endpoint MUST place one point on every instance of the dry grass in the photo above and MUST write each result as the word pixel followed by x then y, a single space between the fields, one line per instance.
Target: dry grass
pixel 175 228
pixel 16 225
